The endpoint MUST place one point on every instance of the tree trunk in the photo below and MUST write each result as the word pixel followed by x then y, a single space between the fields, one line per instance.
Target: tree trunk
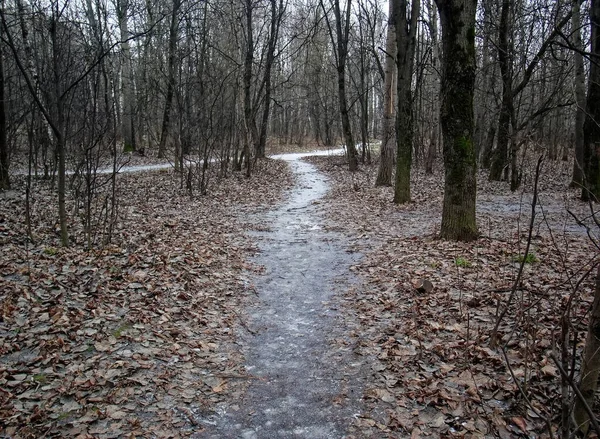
pixel 488 146
pixel 435 62
pixel 406 41
pixel 590 363
pixel 59 133
pixel 276 14
pixel 515 175
pixel 499 168
pixel 458 81
pixel 126 80
pixel 363 98
pixel 386 161
pixel 579 96
pixel 249 123
pixel 591 128
pixel 166 123
pixel 342 34
pixel 4 178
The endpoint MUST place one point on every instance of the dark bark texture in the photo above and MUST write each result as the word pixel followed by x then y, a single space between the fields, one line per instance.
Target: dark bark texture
pixel 386 161
pixel 458 80
pixel 499 168
pixel 4 179
pixel 406 34
pixel 166 124
pixel 591 129
pixel 590 364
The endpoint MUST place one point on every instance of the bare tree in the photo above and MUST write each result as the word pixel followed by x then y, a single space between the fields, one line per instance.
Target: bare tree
pixel 277 11
pixel 4 166
pixel 127 119
pixel 171 69
pixel 579 85
pixel 340 41
pixel 388 128
pixel 435 94
pixel 504 162
pixel 406 33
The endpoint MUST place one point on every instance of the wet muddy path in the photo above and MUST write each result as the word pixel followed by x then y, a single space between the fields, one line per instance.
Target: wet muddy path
pixel 303 388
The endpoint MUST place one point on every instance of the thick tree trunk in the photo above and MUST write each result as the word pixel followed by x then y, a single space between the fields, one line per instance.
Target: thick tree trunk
pixel 406 40
pixel 388 144
pixel 579 95
pixel 591 129
pixel 166 122
pixel 590 364
pixel 404 137
pixel 458 80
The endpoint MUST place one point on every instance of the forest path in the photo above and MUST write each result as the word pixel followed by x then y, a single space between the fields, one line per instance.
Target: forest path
pixel 308 382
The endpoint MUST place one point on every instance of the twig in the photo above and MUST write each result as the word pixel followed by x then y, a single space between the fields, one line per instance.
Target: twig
pixel 494 336
pixel 522 391
pixel 251 331
pixel 575 387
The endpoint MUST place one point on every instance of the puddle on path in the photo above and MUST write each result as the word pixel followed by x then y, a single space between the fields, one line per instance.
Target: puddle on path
pixel 305 389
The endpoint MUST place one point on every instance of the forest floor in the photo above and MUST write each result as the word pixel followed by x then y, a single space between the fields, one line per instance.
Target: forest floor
pixel 436 374
pixel 134 339
pixel 151 336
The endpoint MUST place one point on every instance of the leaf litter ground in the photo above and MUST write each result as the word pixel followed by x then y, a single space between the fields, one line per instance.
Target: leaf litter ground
pixel 435 374
pixel 136 339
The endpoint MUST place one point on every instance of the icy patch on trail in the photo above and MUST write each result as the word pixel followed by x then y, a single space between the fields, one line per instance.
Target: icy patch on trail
pixel 303 387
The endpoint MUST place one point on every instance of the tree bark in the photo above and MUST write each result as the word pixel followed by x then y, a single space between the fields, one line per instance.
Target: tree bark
pixel 126 80
pixel 435 62
pixel 249 124
pixel 590 364
pixel 591 128
pixel 166 123
pixel 579 95
pixel 340 41
pixel 276 15
pixel 406 39
pixel 458 80
pixel 499 168
pixel 4 166
pixel 59 133
pixel 386 161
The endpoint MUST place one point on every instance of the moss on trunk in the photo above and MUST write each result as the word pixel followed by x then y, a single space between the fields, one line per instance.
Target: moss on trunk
pixel 458 79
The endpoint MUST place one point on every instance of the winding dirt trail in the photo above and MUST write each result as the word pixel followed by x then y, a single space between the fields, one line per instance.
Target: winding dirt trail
pixel 304 387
